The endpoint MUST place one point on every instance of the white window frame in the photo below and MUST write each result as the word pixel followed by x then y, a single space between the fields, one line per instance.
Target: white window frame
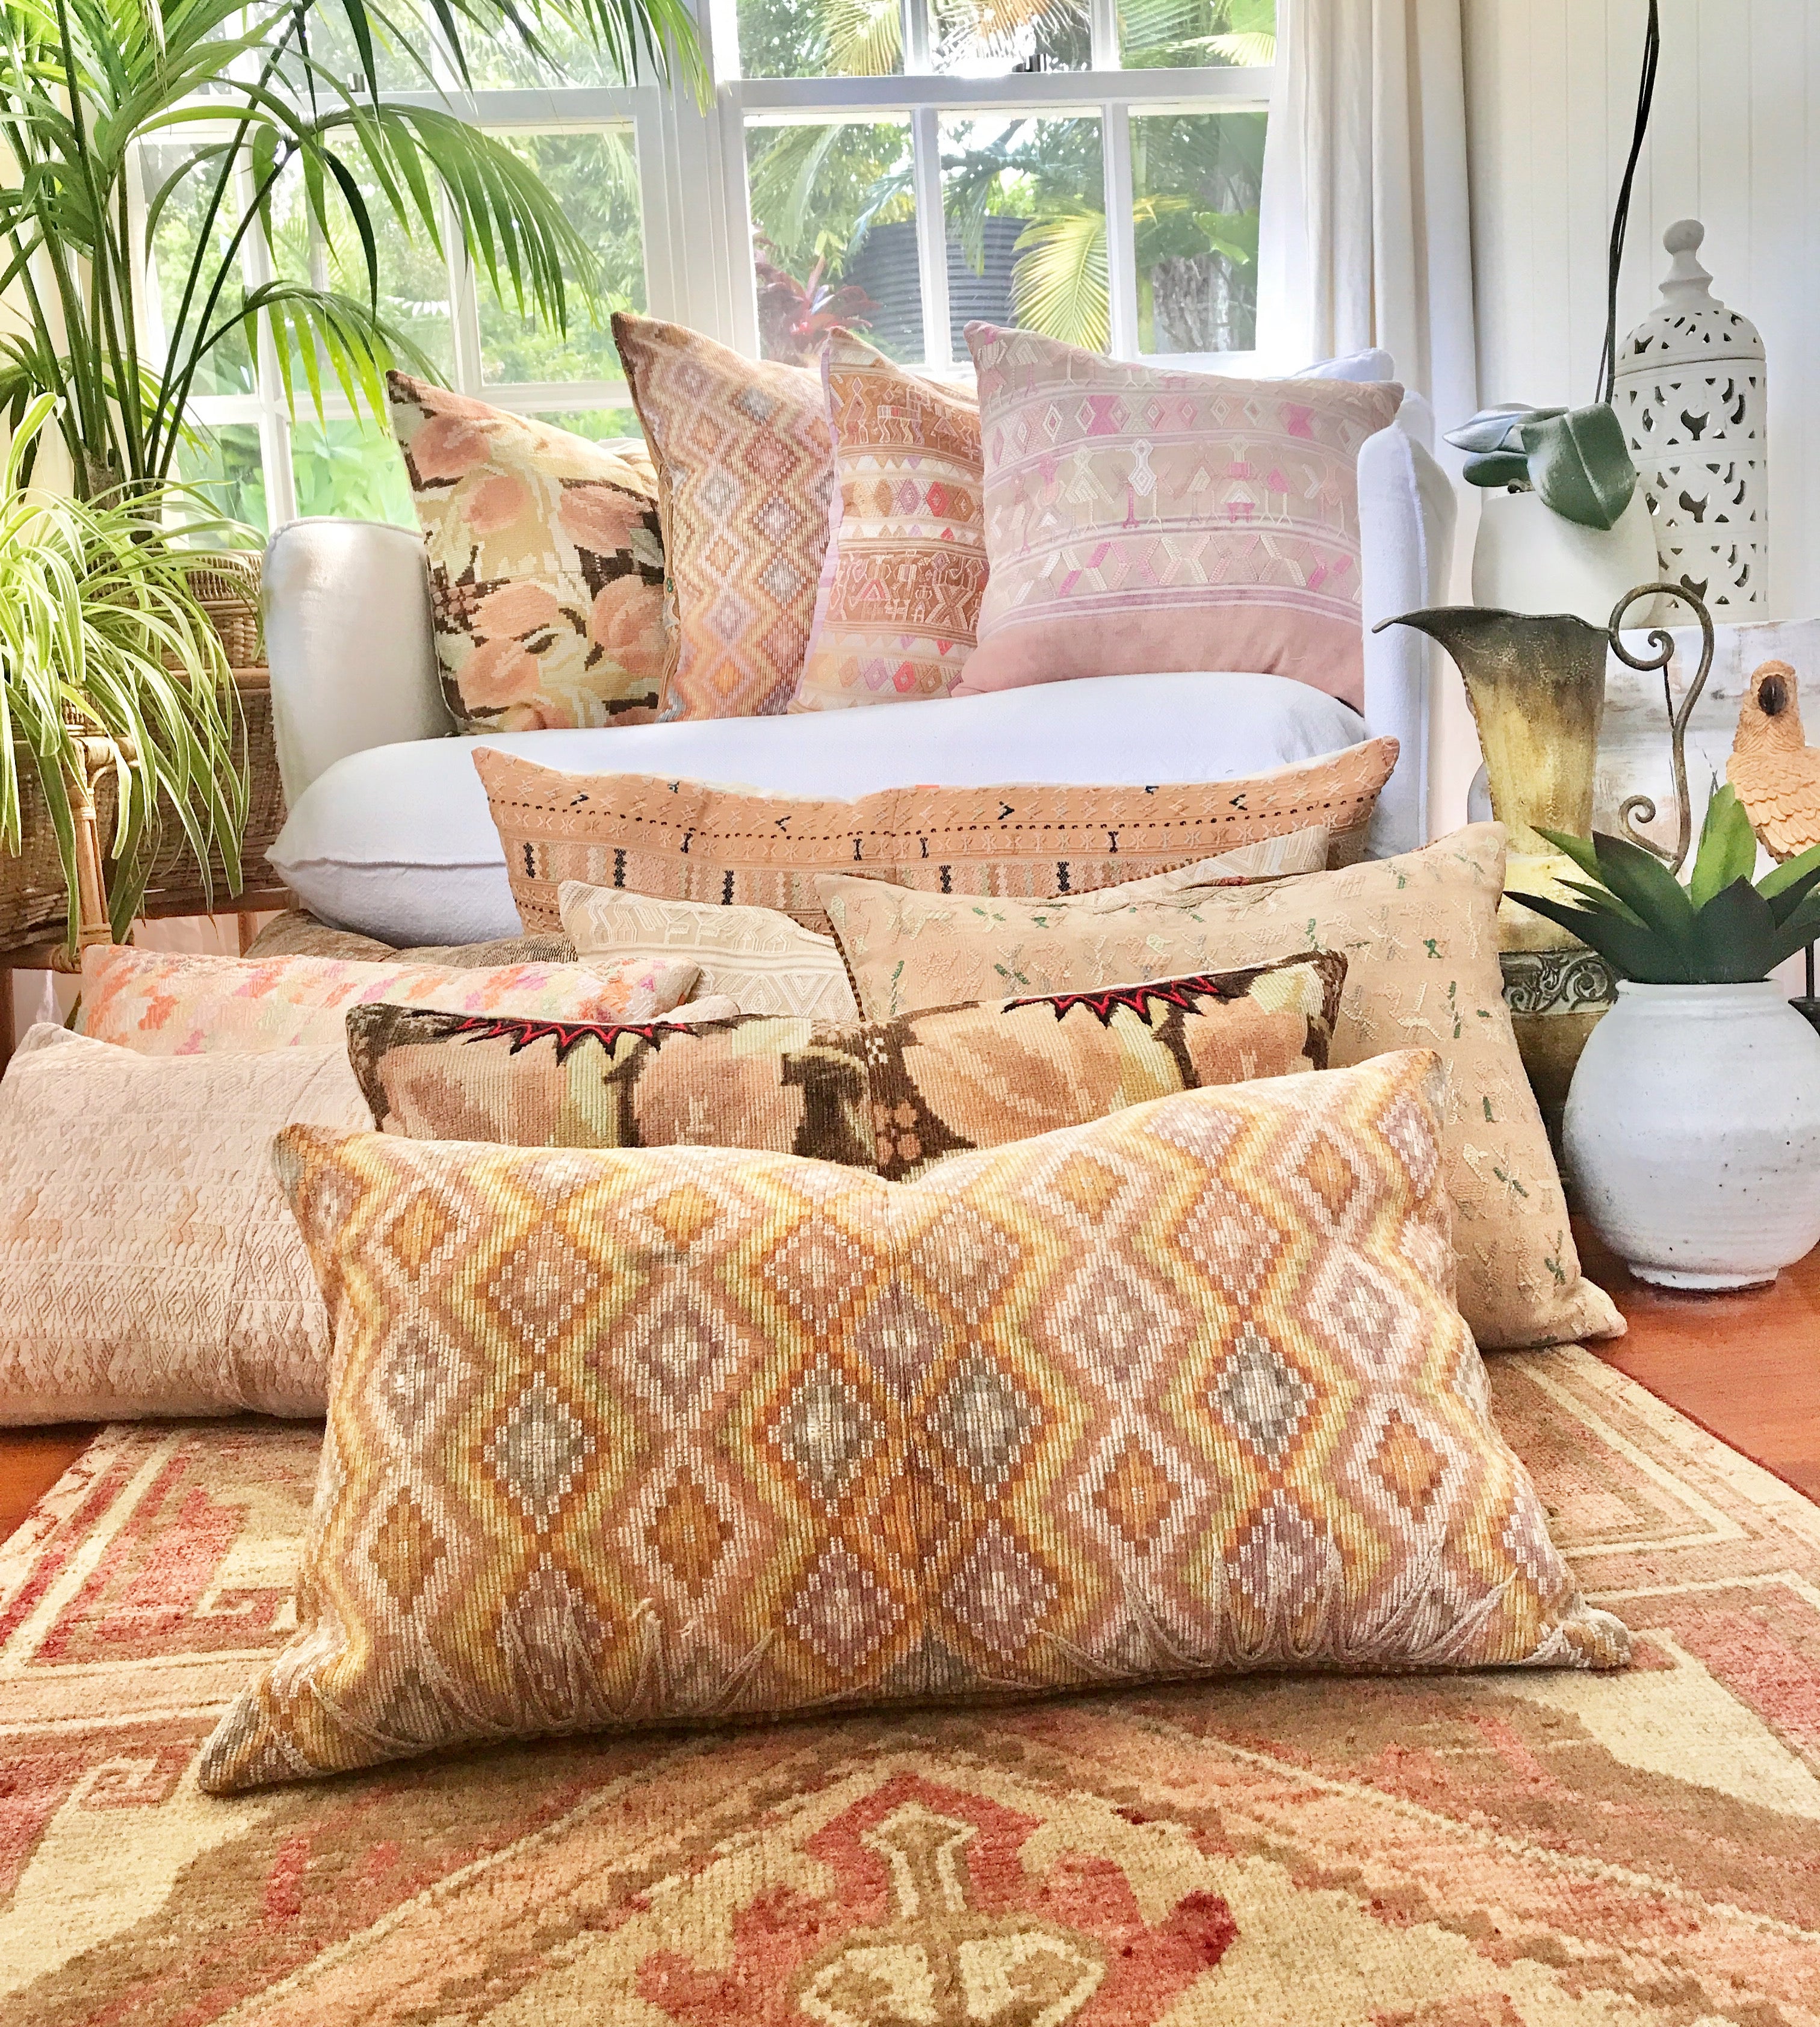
pixel 696 204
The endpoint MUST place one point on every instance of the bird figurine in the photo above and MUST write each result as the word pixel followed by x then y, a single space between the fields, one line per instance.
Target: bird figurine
pixel 1775 773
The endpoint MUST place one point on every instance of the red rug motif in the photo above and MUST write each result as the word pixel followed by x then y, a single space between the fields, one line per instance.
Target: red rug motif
pixel 1633 1850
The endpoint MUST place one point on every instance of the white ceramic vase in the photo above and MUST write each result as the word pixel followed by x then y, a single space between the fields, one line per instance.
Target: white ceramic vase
pixel 1691 1134
pixel 1527 559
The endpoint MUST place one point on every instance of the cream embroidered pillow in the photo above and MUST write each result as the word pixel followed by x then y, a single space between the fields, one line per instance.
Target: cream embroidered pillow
pixel 757 958
pixel 1420 936
pixel 149 1263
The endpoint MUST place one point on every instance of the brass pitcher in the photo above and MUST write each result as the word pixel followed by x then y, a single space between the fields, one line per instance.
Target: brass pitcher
pixel 1536 683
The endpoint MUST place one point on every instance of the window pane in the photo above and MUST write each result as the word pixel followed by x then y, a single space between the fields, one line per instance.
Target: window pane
pixel 820 38
pixel 500 60
pixel 597 425
pixel 351 468
pixel 595 178
pixel 1024 198
pixel 834 222
pixel 228 366
pixel 1169 33
pixel 1195 178
pixel 222 463
pixel 413 279
pixel 988 38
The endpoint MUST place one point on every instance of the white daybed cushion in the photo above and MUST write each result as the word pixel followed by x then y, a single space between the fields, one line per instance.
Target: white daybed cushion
pixel 396 842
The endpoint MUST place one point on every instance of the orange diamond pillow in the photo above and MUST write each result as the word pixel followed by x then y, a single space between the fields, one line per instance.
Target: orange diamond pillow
pixel 629 1438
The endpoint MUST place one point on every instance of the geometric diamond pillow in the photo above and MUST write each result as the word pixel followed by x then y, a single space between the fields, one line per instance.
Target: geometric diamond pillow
pixel 625 1438
pixel 892 1095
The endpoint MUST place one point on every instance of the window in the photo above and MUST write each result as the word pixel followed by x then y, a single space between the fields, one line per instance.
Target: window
pixel 1087 167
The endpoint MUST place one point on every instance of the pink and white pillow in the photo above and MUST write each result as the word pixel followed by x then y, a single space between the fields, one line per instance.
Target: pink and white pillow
pixel 1142 521
pixel 174 1003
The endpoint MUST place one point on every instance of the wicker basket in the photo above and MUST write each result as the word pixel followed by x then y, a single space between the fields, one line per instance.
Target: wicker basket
pixel 33 907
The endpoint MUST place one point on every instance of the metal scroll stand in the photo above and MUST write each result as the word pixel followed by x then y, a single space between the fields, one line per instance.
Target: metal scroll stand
pixel 1635 810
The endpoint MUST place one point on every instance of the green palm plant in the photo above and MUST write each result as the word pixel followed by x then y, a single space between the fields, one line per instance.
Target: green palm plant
pixel 87 86
pixel 100 634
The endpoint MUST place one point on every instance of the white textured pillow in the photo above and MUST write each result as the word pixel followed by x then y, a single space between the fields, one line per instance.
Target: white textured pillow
pixel 148 1262
pixel 759 957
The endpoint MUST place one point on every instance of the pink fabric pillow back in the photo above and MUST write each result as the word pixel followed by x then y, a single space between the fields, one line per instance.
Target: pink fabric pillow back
pixel 1141 521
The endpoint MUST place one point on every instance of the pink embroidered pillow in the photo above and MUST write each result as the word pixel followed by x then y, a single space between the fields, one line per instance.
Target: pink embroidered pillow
pixel 546 566
pixel 166 1003
pixel 899 596
pixel 1139 520
pixel 744 472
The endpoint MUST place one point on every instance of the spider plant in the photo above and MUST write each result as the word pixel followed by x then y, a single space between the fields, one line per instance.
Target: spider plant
pixel 1718 929
pixel 248 95
pixel 101 635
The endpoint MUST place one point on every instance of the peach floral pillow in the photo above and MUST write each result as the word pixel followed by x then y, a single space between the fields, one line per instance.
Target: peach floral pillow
pixel 546 565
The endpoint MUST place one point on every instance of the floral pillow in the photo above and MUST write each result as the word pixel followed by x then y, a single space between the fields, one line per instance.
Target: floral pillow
pixel 546 565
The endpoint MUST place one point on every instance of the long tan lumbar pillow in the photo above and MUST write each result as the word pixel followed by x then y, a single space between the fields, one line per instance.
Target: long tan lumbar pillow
pixel 679 840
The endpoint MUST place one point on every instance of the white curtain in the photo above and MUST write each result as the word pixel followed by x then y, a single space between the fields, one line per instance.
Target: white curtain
pixel 1366 234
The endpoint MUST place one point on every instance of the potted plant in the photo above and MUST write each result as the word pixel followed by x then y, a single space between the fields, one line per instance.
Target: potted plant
pixel 90 93
pixel 1563 526
pixel 103 637
pixel 1692 1130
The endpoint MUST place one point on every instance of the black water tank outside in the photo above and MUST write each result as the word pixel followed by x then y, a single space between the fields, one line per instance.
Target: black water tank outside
pixel 885 267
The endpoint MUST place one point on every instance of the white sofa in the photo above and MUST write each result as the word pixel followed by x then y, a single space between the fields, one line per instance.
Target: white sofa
pixel 389 832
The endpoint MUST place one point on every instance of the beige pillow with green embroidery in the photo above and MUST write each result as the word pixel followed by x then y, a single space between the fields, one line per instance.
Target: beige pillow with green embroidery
pixel 1420 936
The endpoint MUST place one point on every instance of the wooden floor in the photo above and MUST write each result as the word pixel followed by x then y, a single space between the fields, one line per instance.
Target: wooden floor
pixel 1748 1366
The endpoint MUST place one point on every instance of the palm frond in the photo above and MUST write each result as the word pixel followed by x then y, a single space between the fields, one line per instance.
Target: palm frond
pixel 1061 285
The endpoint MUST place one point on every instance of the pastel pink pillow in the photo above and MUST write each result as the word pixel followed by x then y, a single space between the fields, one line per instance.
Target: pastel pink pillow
pixel 1140 521
pixel 170 1003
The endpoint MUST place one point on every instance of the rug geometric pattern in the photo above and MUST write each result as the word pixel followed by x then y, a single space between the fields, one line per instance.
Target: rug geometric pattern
pixel 1470 1851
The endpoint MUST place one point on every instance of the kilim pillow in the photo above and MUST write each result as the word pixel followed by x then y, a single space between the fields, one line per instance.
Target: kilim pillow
pixel 1139 518
pixel 149 1263
pixel 898 599
pixel 894 1095
pixel 744 468
pixel 688 841
pixel 693 1434
pixel 1419 935
pixel 169 1003
pixel 546 566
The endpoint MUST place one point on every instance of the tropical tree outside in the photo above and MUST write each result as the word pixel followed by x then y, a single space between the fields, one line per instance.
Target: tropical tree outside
pixel 820 190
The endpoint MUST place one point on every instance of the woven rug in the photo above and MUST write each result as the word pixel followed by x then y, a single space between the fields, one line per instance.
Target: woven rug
pixel 1472 1852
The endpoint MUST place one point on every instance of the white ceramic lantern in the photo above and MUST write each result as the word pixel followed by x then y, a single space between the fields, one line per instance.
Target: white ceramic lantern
pixel 1690 394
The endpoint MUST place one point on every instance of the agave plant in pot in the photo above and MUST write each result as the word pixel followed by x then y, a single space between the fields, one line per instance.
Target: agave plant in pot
pixel 1691 1132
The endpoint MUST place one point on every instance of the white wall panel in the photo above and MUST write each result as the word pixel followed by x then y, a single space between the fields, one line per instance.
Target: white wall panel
pixel 1735 142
